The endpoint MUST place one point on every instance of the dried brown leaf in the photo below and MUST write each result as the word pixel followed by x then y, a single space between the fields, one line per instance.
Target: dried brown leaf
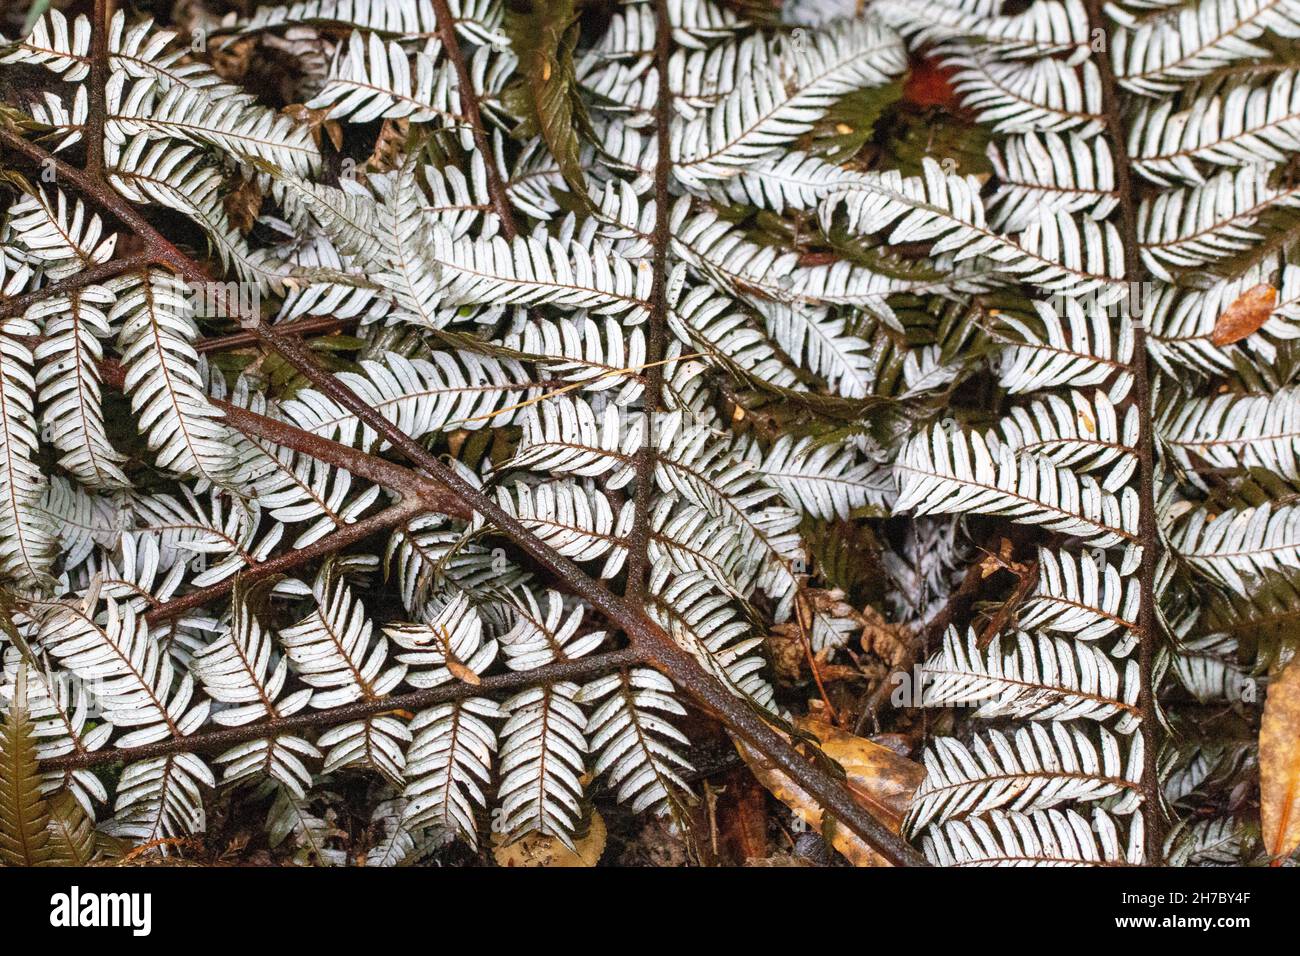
pixel 785 649
pixel 1245 316
pixel 741 811
pixel 390 144
pixel 461 672
pixel 242 204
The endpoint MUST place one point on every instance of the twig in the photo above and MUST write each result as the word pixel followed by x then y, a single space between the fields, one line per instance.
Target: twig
pixel 1027 579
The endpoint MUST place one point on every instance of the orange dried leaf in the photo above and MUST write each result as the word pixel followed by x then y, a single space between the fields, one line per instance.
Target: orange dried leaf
pixel 1245 316
pixel 1279 764
pixel 461 672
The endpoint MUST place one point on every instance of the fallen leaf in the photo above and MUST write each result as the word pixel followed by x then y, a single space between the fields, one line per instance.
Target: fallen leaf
pixel 539 849
pixel 456 441
pixel 788 643
pixel 900 744
pixel 334 130
pixel 890 642
pixel 1279 764
pixel 881 781
pixel 1245 316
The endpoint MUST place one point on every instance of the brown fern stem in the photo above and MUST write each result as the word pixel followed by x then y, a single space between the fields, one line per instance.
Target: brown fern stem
pixel 406 482
pixel 315 325
pixel 1148 530
pixel 469 107
pixel 103 13
pixel 400 513
pixel 419 495
pixel 91 275
pixel 583 668
pixel 638 545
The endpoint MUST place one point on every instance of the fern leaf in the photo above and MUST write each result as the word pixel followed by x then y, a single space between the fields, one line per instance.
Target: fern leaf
pixel 24 815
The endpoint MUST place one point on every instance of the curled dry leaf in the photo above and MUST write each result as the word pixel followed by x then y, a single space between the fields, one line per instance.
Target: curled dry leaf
pixel 890 642
pixel 881 781
pixel 828 602
pixel 461 672
pixel 1279 764
pixel 788 643
pixel 1245 316
pixel 539 849
pixel 785 649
